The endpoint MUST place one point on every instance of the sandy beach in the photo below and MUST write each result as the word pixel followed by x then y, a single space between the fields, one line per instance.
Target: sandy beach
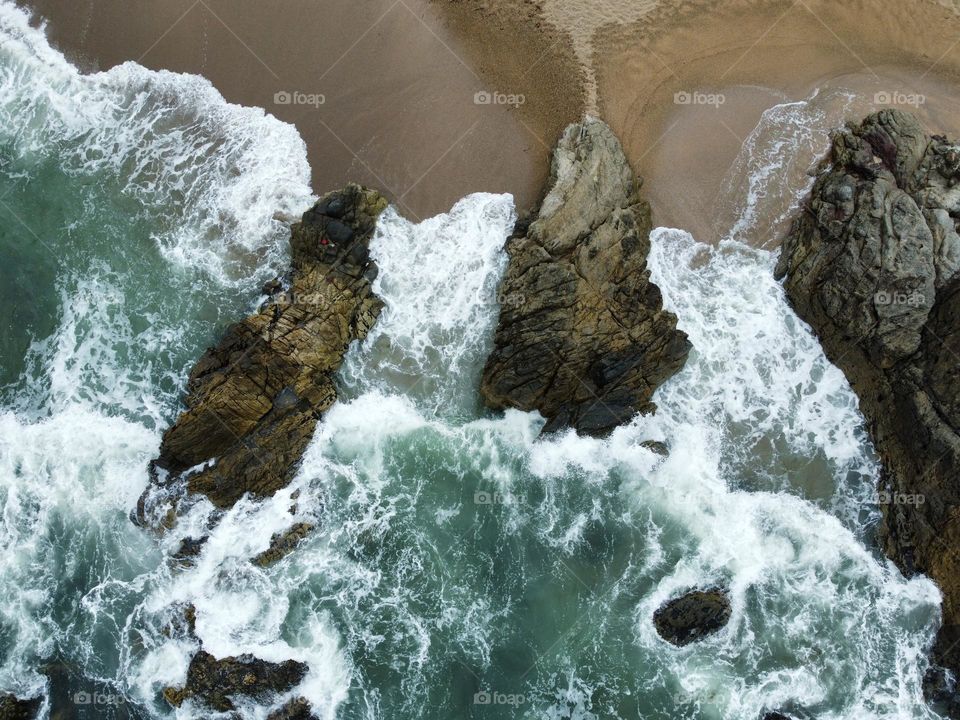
pixel 657 76
pixel 430 100
pixel 408 106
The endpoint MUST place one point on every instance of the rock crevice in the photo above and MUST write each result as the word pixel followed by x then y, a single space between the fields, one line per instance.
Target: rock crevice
pixel 254 399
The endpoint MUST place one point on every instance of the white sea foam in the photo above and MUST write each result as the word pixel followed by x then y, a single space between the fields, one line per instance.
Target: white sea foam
pixel 772 172
pixel 763 491
pixel 438 280
pixel 757 374
pixel 70 479
pixel 172 142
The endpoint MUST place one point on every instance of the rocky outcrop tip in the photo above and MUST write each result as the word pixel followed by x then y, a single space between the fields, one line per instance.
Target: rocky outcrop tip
pixel 584 337
pixel 871 264
pixel 14 708
pixel 253 401
pixel 214 683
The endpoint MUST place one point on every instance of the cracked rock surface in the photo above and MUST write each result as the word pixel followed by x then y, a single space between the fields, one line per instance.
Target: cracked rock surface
pixel 871 263
pixel 215 683
pixel 584 337
pixel 253 401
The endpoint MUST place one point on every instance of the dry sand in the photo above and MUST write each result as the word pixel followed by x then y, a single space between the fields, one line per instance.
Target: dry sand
pixel 398 79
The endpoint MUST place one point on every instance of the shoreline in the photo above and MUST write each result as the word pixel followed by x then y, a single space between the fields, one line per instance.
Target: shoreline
pixel 754 58
pixel 399 109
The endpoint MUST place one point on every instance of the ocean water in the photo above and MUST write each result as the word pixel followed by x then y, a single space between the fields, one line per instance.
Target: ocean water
pixel 462 566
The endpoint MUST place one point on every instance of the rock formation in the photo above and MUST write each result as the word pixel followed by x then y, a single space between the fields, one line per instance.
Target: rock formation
pixel 13 708
pixel 871 264
pixel 253 400
pixel 692 616
pixel 296 709
pixel 214 682
pixel 584 338
pixel 282 544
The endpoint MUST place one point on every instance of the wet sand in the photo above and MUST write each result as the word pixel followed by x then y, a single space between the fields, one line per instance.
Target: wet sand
pixel 649 65
pixel 400 79
pixel 656 78
pixel 399 83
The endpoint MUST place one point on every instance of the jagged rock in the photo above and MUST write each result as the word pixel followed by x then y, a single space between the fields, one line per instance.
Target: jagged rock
pixel 282 544
pixel 692 616
pixel 13 708
pixel 183 622
pixel 657 447
pixel 776 716
pixel 871 264
pixel 189 549
pixel 213 682
pixel 296 709
pixel 586 341
pixel 253 400
pixel 940 688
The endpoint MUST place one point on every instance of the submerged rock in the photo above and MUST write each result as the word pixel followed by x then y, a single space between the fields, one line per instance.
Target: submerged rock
pixel 656 447
pixel 692 616
pixel 940 688
pixel 13 708
pixel 282 544
pixel 296 709
pixel 871 264
pixel 584 338
pixel 190 548
pixel 214 682
pixel 253 400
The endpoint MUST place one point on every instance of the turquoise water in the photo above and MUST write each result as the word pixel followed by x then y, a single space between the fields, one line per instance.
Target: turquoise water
pixel 462 567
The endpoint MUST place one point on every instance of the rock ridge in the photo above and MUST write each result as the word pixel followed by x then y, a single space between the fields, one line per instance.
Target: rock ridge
pixel 584 338
pixel 254 399
pixel 871 264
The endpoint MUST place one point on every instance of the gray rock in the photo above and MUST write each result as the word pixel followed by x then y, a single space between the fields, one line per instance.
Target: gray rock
pixel 874 272
pixel 588 341
pixel 692 616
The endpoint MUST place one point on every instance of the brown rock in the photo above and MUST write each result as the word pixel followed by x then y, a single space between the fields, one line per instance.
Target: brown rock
pixel 871 264
pixel 585 339
pixel 296 709
pixel 253 400
pixel 282 544
pixel 213 682
pixel 13 708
